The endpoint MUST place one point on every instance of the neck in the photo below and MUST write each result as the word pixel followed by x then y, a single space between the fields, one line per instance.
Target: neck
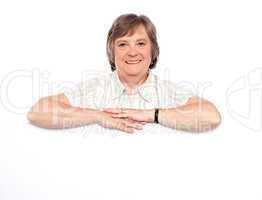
pixel 132 82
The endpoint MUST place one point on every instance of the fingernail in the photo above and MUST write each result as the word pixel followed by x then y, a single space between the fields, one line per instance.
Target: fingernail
pixel 131 131
pixel 140 127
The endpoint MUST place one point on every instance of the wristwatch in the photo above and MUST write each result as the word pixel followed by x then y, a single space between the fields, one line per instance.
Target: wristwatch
pixel 156 115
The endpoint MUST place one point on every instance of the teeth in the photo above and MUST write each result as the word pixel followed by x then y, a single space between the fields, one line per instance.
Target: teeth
pixel 133 62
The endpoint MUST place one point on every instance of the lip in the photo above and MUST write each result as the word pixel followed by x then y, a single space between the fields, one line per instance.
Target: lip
pixel 130 62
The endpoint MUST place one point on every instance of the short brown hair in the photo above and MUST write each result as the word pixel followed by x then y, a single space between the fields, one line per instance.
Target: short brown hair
pixel 122 26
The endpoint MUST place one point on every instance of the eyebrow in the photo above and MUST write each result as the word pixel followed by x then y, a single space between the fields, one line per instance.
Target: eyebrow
pixel 121 40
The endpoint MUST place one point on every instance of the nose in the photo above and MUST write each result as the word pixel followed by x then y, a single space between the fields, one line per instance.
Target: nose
pixel 132 51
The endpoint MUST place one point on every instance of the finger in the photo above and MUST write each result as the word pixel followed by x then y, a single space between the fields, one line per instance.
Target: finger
pixel 128 130
pixel 136 122
pixel 125 128
pixel 120 115
pixel 129 117
pixel 126 110
pixel 135 125
pixel 112 110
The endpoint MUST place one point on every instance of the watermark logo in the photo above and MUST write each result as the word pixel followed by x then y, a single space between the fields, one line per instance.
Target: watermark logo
pixel 244 100
pixel 243 96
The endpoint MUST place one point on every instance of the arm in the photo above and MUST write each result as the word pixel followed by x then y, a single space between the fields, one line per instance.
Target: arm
pixel 56 112
pixel 197 115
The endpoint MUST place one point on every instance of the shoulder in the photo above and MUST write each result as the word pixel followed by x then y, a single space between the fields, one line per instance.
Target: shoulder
pixel 176 87
pixel 176 93
pixel 90 91
pixel 93 82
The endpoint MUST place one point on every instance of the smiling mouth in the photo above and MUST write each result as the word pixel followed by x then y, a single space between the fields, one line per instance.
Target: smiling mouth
pixel 132 61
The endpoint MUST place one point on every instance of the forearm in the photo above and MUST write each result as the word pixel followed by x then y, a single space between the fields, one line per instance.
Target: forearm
pixel 62 116
pixel 190 117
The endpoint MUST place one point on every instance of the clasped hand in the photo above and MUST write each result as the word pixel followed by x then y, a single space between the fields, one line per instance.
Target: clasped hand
pixel 126 120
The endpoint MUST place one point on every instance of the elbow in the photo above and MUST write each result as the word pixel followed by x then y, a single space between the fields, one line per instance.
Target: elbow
pixel 32 113
pixel 30 116
pixel 211 119
pixel 216 121
pixel 219 118
pixel 37 111
pixel 41 120
pixel 44 114
pixel 38 115
pixel 215 118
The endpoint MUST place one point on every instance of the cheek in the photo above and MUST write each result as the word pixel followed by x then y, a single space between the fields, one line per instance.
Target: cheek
pixel 119 55
pixel 147 54
pixel 147 51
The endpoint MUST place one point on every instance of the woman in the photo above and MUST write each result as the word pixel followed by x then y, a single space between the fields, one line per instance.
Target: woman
pixel 131 95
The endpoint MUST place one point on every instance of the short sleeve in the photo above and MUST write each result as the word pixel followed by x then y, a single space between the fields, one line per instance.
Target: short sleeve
pixel 87 94
pixel 183 91
pixel 174 94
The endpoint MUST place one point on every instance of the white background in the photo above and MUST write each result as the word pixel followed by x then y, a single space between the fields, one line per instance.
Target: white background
pixel 48 45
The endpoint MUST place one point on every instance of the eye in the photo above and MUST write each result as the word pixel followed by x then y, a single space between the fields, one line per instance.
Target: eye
pixel 141 44
pixel 122 45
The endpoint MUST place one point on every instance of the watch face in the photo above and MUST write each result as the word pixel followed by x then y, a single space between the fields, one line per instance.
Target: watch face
pixel 156 115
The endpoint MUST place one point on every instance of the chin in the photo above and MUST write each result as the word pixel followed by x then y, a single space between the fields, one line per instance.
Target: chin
pixel 137 68
pixel 133 73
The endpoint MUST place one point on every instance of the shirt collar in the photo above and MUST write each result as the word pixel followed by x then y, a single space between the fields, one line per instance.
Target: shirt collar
pixel 144 90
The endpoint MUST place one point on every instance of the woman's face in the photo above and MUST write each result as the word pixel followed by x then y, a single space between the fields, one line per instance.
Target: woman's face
pixel 133 53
